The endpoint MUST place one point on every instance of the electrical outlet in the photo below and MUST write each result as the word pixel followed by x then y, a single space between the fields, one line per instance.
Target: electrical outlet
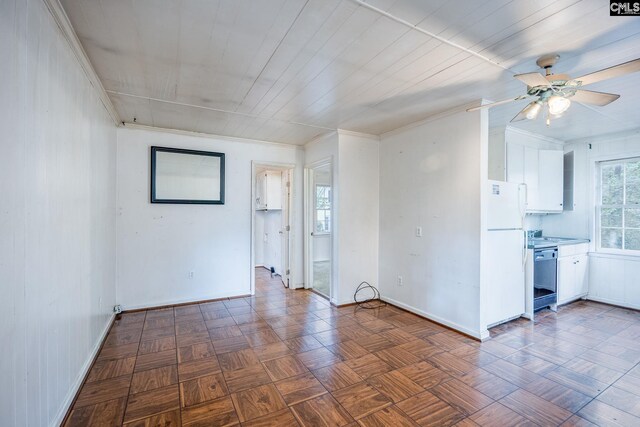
pixel 191 274
pixel 400 282
pixel 418 231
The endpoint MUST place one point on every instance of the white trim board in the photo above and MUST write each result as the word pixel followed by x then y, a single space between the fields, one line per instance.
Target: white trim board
pixel 203 107
pixel 195 300
pixel 605 137
pixel 482 336
pixel 136 126
pixel 358 134
pixel 616 303
pixel 75 387
pixel 534 135
pixel 62 20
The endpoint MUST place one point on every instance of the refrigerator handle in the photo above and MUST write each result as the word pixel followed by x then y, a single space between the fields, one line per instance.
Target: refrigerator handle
pixel 524 251
pixel 522 202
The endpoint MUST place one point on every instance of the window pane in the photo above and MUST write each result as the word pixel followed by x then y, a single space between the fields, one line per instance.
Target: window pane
pixel 632 239
pixel 631 217
pixel 612 181
pixel 611 217
pixel 632 170
pixel 611 238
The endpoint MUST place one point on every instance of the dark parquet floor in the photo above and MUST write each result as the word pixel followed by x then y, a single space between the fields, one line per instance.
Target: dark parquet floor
pixel 287 358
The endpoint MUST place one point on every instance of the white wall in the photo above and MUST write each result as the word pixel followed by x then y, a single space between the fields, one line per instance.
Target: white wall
pixel 158 245
pixel 358 198
pixel 57 218
pixel 612 278
pixel 497 155
pixel 431 176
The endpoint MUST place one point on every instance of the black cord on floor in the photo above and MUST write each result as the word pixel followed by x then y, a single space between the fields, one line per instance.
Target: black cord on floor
pixel 369 303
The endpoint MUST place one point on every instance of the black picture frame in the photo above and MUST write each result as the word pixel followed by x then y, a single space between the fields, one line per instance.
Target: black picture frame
pixel 154 199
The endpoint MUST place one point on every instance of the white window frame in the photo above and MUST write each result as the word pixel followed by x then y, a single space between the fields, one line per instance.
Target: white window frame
pixel 315 210
pixel 599 206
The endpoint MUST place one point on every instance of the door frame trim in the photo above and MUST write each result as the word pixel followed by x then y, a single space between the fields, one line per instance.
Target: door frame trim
pixel 308 224
pixel 255 164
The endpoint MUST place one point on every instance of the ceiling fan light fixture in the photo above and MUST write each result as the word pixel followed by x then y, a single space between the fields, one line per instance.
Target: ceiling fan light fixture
pixel 558 104
pixel 532 110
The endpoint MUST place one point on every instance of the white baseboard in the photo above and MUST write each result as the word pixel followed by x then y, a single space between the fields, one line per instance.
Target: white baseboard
pixel 193 300
pixel 617 303
pixel 475 334
pixel 71 394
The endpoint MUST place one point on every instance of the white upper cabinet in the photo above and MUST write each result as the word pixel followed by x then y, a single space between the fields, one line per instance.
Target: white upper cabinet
pixel 269 190
pixel 542 172
pixel 551 180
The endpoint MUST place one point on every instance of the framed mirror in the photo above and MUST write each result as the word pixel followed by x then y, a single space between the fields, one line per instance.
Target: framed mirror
pixel 187 176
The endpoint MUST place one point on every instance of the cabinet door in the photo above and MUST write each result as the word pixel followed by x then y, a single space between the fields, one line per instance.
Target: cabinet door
pixel 260 191
pixel 531 178
pixel 582 274
pixel 551 180
pixel 566 279
pixel 274 190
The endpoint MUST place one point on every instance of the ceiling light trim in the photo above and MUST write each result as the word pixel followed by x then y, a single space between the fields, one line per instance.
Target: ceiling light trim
pixel 430 34
pixel 64 24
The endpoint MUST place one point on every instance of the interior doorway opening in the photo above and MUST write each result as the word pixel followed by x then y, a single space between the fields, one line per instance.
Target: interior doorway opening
pixel 271 223
pixel 319 227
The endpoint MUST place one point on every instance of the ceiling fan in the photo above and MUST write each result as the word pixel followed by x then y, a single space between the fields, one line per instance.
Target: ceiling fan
pixel 554 92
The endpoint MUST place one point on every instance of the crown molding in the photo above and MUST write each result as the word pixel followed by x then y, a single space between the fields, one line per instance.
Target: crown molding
pixel 606 137
pixel 358 134
pixel 535 135
pixel 321 137
pixel 136 126
pixel 62 20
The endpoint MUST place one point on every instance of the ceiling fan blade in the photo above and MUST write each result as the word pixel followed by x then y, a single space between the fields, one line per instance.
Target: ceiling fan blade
pixel 522 115
pixel 493 104
pixel 611 72
pixel 594 98
pixel 532 79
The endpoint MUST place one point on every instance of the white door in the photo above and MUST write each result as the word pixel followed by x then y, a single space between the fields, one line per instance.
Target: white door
pixel 320 228
pixel 582 276
pixel 285 232
pixel 566 278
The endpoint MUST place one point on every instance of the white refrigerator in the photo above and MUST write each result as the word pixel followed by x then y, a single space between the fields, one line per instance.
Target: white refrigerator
pixel 504 252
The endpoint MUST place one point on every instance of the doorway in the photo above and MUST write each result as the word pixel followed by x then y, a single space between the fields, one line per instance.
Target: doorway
pixel 271 201
pixel 319 227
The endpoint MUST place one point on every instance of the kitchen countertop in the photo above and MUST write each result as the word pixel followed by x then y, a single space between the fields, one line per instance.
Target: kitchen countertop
pixel 548 242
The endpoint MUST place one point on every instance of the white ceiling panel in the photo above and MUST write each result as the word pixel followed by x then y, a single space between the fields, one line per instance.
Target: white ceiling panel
pixel 196 119
pixel 290 70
